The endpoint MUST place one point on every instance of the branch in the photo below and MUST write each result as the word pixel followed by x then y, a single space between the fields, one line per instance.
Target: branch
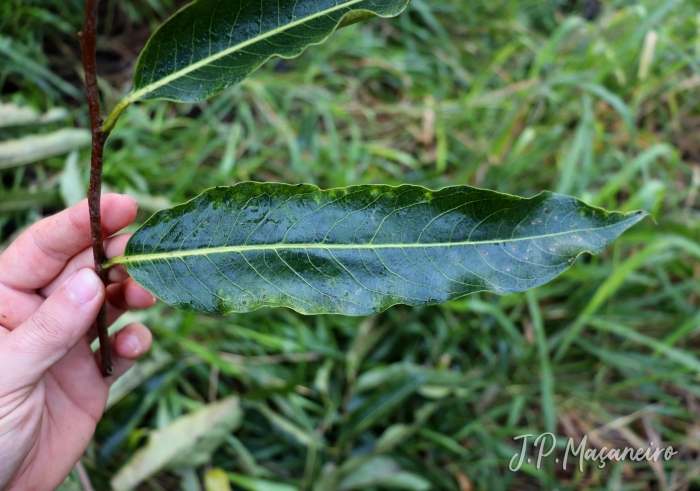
pixel 87 41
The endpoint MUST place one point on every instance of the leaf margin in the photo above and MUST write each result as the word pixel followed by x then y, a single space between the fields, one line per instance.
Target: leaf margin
pixel 349 18
pixel 631 217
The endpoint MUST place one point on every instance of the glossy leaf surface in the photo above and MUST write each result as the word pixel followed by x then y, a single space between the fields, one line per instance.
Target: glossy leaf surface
pixel 211 45
pixel 360 249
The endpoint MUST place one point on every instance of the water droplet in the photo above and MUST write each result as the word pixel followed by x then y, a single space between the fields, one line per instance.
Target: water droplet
pixel 486 253
pixel 513 247
pixel 552 249
pixel 572 224
pixel 546 211
pixel 532 222
pixel 527 257
pixel 507 269
pixel 539 220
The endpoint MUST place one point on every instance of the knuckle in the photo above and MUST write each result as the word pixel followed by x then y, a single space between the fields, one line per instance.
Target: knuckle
pixel 44 327
pixel 45 248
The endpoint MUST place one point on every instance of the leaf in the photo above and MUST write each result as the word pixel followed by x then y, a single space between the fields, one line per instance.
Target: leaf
pixel 376 378
pixel 72 187
pixel 255 484
pixel 14 115
pixel 216 480
pixel 302 436
pixel 383 472
pixel 681 357
pixel 188 440
pixel 360 249
pixel 23 200
pixel 34 70
pixel 210 45
pixel 34 148
pixel 136 375
pixel 366 412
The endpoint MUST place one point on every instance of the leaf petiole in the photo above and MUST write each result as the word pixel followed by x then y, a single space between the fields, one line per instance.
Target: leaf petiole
pixel 115 261
pixel 116 113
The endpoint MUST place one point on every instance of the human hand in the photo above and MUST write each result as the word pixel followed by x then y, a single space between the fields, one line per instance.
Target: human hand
pixel 52 393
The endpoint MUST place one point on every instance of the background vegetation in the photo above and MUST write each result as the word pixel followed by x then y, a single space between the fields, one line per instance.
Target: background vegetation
pixel 516 96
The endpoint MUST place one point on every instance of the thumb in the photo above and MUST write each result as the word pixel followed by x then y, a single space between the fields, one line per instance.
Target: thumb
pixel 59 324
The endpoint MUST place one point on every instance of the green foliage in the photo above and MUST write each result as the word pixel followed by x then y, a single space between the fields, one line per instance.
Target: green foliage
pixel 361 249
pixel 244 232
pixel 189 441
pixel 480 92
pixel 210 45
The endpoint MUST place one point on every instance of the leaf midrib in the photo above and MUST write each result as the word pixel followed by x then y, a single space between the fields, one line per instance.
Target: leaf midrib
pixel 134 96
pixel 321 246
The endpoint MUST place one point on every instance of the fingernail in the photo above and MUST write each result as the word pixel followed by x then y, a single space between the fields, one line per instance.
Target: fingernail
pixel 84 286
pixel 133 343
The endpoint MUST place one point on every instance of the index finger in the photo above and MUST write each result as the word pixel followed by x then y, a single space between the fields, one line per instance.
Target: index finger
pixel 42 251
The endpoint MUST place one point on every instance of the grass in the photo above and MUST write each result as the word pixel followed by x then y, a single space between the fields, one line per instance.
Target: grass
pixel 512 96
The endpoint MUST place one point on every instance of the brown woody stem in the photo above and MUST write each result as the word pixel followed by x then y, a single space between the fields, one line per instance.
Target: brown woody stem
pixel 99 137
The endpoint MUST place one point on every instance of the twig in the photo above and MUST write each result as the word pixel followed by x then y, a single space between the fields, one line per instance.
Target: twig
pixel 87 41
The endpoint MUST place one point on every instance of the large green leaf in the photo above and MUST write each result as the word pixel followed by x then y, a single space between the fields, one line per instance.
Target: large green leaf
pixel 211 45
pixel 360 249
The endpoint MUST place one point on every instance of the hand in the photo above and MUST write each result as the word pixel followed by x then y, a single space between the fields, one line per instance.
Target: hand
pixel 52 393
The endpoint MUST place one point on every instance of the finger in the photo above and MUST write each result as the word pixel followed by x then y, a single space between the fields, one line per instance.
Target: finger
pixel 17 306
pixel 54 329
pixel 133 341
pixel 43 250
pixel 84 259
pixel 121 297
pixel 129 344
pixel 130 295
